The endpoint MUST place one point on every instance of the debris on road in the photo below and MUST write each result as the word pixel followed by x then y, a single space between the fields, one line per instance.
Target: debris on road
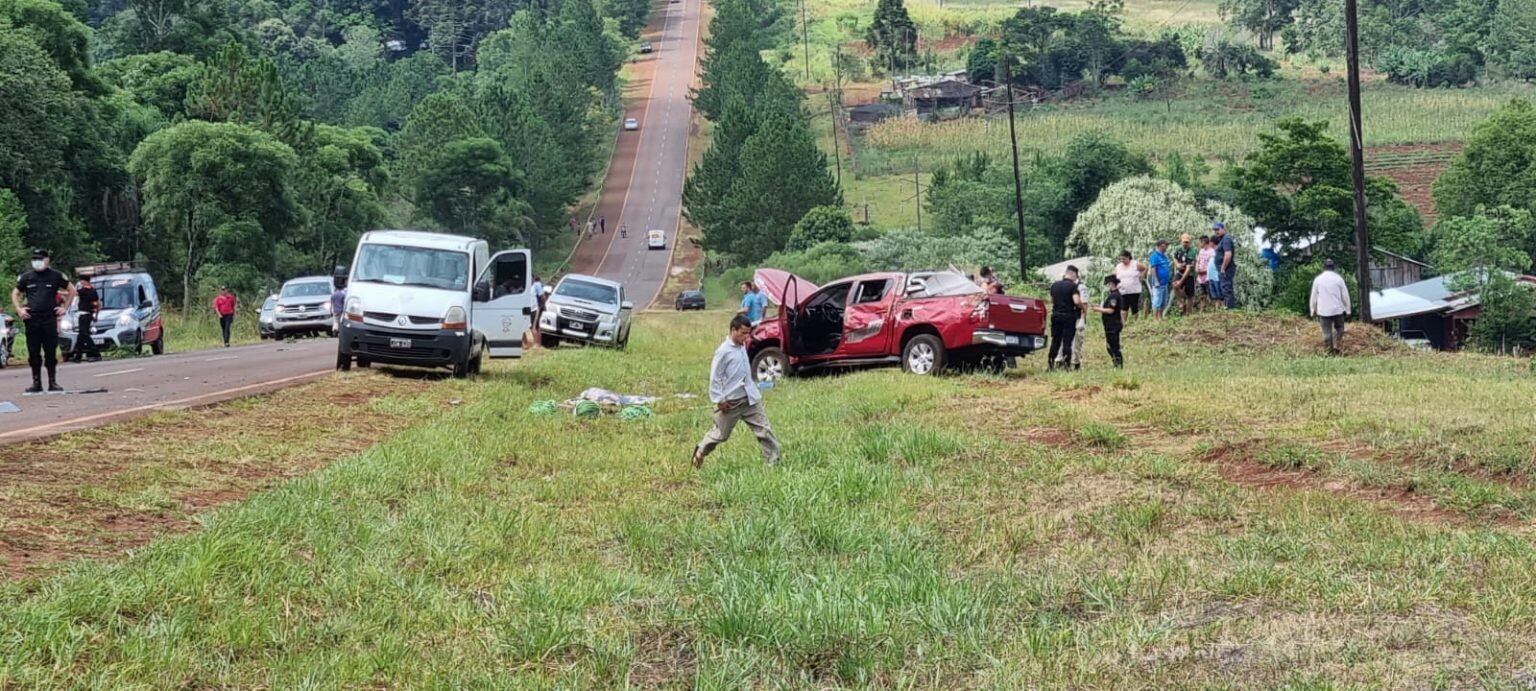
pixel 606 397
pixel 8 407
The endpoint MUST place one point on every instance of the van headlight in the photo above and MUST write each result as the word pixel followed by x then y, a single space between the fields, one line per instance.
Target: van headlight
pixel 354 309
pixel 65 324
pixel 126 319
pixel 455 319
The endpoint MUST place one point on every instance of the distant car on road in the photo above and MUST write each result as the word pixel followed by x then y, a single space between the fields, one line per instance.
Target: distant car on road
pixel 586 309
pixel 631 124
pixel 656 239
pixel 265 320
pixel 130 311
pixel 304 308
pixel 646 47
pixel 690 300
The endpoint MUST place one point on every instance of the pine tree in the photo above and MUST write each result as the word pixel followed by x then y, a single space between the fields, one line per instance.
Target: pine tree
pixel 783 176
pixel 717 171
pixel 893 34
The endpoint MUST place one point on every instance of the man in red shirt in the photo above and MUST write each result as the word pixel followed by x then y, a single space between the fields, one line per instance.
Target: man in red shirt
pixel 224 305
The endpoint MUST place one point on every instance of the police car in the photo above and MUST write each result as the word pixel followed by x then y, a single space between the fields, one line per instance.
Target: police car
pixel 130 315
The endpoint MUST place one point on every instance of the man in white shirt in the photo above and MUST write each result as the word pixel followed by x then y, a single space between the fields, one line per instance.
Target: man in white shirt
pixel 1330 304
pixel 736 396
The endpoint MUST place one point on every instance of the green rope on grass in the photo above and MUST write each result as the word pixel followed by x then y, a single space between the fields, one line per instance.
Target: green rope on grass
pixel 543 407
pixel 635 412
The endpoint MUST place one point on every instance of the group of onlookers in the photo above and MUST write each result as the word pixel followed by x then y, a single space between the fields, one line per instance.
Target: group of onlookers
pixel 1197 277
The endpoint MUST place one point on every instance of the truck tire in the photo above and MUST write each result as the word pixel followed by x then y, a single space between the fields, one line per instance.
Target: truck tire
pixel 548 341
pixel 770 364
pixel 343 362
pixel 924 355
pixel 157 347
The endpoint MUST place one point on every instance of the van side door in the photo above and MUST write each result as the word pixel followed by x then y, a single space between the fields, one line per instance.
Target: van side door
pixel 503 302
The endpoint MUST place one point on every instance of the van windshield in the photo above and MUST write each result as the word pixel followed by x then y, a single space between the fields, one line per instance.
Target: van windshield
pixel 307 289
pixel 118 295
pixel 591 292
pixel 412 266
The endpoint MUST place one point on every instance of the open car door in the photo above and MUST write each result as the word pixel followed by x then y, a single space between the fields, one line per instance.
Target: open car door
pixel 504 304
pixel 787 291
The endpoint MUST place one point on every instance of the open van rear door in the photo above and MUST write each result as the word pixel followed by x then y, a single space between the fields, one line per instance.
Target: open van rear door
pixel 504 303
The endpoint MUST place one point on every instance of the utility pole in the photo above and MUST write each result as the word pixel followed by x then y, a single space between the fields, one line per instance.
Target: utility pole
pixel 1018 186
pixel 835 102
pixel 1357 159
pixel 917 191
pixel 805 38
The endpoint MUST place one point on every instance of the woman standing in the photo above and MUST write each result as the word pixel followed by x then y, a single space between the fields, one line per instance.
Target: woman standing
pixel 1130 272
pixel 224 306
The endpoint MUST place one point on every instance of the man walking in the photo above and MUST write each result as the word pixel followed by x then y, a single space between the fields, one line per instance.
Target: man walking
pixel 224 305
pixel 736 397
pixel 1227 265
pixel 1162 276
pixel 754 304
pixel 1112 324
pixel 1330 304
pixel 1066 304
pixel 39 299
pixel 88 305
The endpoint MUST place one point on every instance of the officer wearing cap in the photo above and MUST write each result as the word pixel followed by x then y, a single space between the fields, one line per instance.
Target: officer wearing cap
pixel 40 297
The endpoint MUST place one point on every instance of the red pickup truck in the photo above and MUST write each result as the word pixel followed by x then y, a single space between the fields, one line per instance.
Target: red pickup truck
pixel 925 321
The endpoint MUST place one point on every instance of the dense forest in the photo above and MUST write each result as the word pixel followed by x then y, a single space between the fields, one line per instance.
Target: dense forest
pixel 242 142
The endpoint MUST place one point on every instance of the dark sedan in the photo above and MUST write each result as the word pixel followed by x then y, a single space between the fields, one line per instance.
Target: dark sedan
pixel 690 300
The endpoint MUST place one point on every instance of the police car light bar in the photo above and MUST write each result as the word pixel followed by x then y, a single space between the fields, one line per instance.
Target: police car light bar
pixel 92 270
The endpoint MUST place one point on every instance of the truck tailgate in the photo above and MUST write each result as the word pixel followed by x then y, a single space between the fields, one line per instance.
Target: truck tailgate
pixel 1015 314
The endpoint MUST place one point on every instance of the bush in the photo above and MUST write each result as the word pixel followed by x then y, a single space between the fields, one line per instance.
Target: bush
pixel 821 224
pixel 1134 213
pixel 1427 67
pixel 819 264
pixel 909 250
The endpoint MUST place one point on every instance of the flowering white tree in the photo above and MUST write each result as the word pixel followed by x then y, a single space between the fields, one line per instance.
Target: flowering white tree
pixel 1133 214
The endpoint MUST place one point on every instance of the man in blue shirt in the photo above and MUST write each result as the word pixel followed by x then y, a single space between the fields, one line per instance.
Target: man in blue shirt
pixel 753 302
pixel 1227 265
pixel 1162 277
pixel 1271 257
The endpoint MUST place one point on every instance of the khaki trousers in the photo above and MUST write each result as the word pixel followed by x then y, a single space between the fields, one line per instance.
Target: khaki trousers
pixel 755 419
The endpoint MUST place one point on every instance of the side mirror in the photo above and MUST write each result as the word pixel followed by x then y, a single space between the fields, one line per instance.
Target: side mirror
pixel 482 292
pixel 146 304
pixel 627 305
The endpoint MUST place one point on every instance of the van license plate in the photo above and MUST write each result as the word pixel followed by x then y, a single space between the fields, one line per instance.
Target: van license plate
pixel 399 342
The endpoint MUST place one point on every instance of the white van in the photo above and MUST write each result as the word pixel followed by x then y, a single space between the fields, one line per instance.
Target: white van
pixel 411 301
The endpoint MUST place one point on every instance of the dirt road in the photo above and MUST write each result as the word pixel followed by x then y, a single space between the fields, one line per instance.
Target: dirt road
pixel 139 386
pixel 644 187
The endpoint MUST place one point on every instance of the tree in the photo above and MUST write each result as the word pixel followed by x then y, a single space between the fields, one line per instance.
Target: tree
pixel 1264 18
pixel 59 34
pixel 783 175
pixel 160 80
pixel 821 224
pixel 436 121
pixel 893 35
pixel 1487 242
pixel 1508 318
pixel 338 185
pixel 1497 167
pixel 233 88
pixel 470 189
pixel 707 186
pixel 1223 58
pixel 550 183
pixel 1134 214
pixel 1298 186
pixel 1511 43
pixel 35 147
pixel 214 194
pixel 13 227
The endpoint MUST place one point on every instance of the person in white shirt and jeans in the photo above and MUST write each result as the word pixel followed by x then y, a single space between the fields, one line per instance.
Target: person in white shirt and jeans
pixel 1330 304
pixel 736 396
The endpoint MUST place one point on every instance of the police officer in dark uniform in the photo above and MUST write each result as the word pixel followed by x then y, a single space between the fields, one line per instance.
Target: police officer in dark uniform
pixel 89 305
pixel 39 298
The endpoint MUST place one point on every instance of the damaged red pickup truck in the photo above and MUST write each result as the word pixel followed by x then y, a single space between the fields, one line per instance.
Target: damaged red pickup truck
pixel 925 321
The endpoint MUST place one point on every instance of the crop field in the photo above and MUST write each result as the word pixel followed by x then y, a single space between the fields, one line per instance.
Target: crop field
pixel 1232 510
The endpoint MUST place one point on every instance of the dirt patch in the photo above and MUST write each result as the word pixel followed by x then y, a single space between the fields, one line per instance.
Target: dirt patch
pixel 1268 332
pixel 1240 464
pixel 1414 167
pixel 99 492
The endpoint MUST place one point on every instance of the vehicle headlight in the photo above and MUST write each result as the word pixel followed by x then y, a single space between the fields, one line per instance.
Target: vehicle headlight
pixel 455 319
pixel 126 319
pixel 325 307
pixel 354 309
pixel 65 324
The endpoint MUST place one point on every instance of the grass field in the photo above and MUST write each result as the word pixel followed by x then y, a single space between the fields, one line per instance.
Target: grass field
pixel 1232 510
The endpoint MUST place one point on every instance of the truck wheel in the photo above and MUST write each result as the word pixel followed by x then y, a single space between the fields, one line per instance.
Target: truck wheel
pixel 462 369
pixel 924 354
pixel 770 364
pixel 158 346
pixel 343 363
pixel 548 341
pixel 364 363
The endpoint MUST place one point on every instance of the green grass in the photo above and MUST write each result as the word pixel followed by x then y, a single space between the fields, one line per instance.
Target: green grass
pixel 919 534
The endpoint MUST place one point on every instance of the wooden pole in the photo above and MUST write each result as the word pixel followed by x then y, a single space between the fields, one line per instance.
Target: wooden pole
pixel 1018 186
pixel 1357 159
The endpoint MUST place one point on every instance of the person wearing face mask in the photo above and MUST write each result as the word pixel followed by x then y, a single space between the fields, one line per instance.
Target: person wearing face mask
pixel 39 298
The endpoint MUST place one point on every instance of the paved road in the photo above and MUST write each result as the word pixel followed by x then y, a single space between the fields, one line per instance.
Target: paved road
pixel 138 386
pixel 644 187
